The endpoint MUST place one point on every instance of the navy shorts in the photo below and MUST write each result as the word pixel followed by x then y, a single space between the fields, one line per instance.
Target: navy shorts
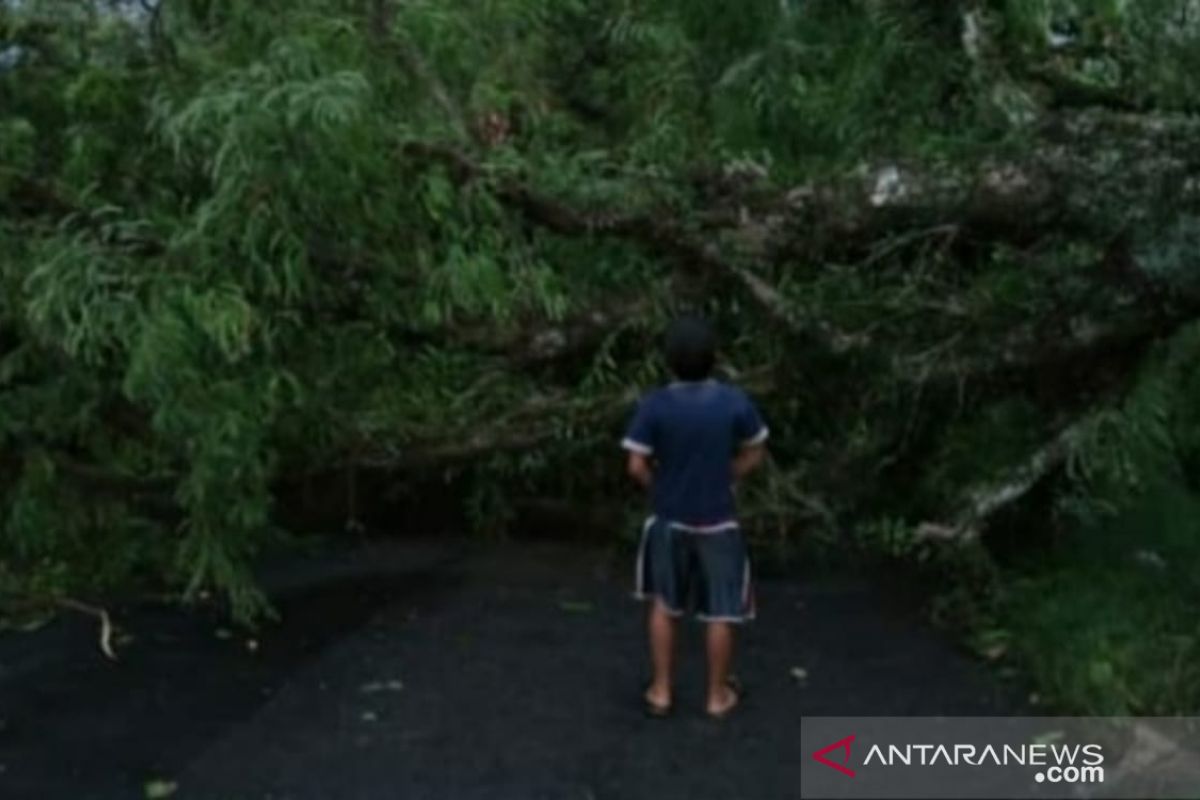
pixel 705 572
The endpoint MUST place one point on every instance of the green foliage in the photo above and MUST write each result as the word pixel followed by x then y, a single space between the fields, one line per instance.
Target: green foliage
pixel 999 438
pixel 221 265
pixel 1108 625
pixel 16 151
pixel 1104 618
pixel 823 87
pixel 1138 53
pixel 1151 438
pixel 1168 256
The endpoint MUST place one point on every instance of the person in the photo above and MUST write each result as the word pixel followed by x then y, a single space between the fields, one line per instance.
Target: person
pixel 688 443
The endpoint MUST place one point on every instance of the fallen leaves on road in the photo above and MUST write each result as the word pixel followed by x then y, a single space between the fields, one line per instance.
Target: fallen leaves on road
pixel 158 789
pixel 992 644
pixel 381 686
pixel 576 606
pixel 995 652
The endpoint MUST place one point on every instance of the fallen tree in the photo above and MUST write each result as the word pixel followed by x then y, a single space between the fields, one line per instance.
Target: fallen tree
pixel 383 240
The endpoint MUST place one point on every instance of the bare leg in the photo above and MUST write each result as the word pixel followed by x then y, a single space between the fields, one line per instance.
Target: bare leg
pixel 662 653
pixel 720 654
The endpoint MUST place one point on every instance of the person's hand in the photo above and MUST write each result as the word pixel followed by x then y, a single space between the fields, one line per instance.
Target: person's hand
pixel 747 460
pixel 639 468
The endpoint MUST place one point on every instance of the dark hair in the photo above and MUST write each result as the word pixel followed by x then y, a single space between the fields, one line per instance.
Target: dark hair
pixel 691 348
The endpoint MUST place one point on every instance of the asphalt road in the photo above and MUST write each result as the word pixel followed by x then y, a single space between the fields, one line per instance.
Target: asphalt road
pixel 445 670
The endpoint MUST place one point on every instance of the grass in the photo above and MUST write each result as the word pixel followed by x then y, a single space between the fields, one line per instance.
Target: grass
pixel 1109 625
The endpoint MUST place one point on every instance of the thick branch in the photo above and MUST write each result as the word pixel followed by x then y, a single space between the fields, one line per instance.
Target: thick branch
pixel 1057 185
pixel 581 333
pixel 532 425
pixel 528 427
pixel 1022 351
pixel 656 233
pixel 1092 171
pixel 983 502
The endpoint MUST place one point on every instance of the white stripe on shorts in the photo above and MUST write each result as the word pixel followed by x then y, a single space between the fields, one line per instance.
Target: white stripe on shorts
pixel 720 526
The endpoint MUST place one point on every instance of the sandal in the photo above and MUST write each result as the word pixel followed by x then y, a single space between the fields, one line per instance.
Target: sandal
pixel 739 694
pixel 655 710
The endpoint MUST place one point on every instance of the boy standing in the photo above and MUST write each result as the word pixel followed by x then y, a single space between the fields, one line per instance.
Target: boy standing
pixel 688 443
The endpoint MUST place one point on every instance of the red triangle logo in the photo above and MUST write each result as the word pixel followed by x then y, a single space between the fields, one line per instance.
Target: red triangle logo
pixel 844 767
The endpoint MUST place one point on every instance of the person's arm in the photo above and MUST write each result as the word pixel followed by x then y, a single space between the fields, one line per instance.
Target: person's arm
pixel 639 468
pixel 751 434
pixel 639 443
pixel 748 459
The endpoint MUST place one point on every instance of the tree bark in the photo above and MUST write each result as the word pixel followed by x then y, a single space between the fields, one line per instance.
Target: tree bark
pixel 983 502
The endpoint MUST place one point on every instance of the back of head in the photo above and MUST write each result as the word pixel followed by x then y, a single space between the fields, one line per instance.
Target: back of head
pixel 691 348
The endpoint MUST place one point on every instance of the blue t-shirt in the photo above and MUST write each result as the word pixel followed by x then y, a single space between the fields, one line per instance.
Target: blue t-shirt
pixel 693 430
